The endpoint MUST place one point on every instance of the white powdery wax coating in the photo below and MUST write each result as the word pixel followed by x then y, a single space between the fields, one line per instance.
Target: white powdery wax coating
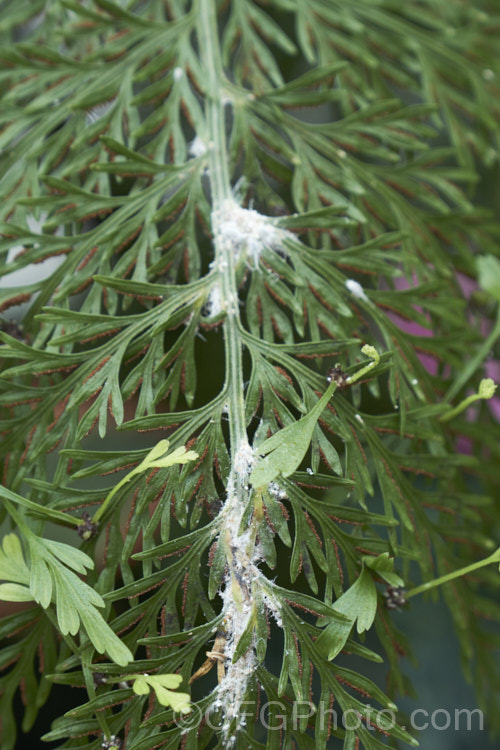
pixel 356 289
pixel 197 147
pixel 214 301
pixel 243 460
pixel 246 230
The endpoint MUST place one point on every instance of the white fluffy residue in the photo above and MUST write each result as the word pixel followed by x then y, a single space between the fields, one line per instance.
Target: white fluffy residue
pixel 243 585
pixel 273 606
pixel 178 73
pixel 244 230
pixel 356 289
pixel 276 491
pixel 197 147
pixel 214 305
pixel 232 689
pixel 243 460
pixel 238 598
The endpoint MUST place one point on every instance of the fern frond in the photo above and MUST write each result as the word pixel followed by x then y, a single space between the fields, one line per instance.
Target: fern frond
pixel 248 228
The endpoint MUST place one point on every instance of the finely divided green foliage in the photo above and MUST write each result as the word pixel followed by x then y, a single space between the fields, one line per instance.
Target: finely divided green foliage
pixel 203 183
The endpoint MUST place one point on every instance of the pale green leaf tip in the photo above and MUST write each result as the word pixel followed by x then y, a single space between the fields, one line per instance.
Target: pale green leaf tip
pixel 140 686
pixel 487 388
pixel 122 657
pixel 161 683
pixel 14 592
pixel 158 457
pixel 371 352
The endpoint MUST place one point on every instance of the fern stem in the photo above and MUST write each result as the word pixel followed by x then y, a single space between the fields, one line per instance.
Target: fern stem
pixel 476 361
pixel 221 193
pixel 239 544
pixel 86 656
pixel 493 558
pixel 208 36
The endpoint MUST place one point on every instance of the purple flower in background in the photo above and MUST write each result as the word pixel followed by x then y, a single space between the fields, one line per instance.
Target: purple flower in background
pixel 491 367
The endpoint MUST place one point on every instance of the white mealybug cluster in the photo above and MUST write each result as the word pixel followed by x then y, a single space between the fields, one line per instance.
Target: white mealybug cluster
pixel 197 147
pixel 242 573
pixel 213 305
pixel 232 689
pixel 178 73
pixel 276 491
pixel 274 608
pixel 355 288
pixel 243 460
pixel 246 231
